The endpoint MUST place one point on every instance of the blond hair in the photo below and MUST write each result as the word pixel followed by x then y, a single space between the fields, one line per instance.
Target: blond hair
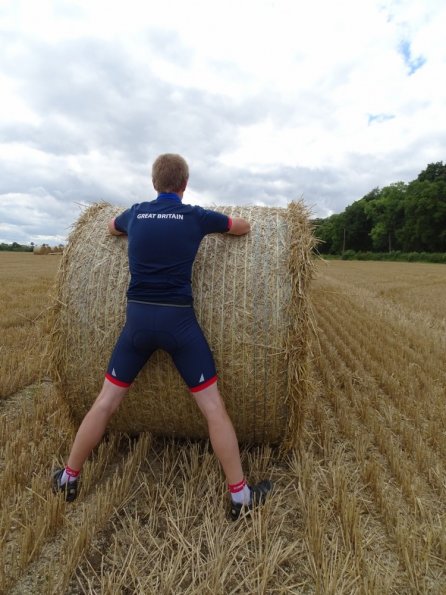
pixel 170 173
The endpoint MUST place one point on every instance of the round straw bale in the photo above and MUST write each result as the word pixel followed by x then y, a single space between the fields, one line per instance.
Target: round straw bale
pixel 250 297
pixel 42 249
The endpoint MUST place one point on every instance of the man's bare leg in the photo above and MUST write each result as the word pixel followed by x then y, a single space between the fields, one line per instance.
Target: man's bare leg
pixel 221 432
pixel 94 423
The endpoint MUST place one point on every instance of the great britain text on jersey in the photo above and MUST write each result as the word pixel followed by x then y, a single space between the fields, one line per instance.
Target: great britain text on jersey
pixel 159 216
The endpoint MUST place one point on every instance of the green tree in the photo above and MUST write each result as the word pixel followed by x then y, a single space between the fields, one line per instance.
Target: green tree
pixel 424 227
pixel 434 172
pixel 386 213
pixel 330 232
pixel 357 226
pixel 409 217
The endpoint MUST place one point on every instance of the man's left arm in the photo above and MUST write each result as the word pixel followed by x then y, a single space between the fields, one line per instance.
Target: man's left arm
pixel 112 228
pixel 119 226
pixel 238 226
pixel 215 222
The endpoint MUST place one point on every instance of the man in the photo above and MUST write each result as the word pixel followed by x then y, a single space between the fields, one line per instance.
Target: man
pixel 163 239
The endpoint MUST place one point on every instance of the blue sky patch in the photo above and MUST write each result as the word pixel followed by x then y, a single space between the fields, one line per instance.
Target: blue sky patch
pixel 379 118
pixel 412 63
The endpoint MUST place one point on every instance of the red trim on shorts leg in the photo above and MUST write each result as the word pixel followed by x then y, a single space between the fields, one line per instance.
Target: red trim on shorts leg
pixel 196 389
pixel 229 224
pixel 114 380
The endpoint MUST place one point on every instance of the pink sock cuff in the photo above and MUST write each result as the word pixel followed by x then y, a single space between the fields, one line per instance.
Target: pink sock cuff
pixel 71 472
pixel 237 487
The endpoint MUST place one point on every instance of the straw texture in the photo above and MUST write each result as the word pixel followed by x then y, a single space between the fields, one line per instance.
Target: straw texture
pixel 250 296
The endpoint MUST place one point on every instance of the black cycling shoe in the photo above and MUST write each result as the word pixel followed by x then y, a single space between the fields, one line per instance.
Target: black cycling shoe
pixel 69 489
pixel 259 492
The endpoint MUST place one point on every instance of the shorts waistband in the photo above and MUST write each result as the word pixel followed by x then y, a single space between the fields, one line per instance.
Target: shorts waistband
pixel 160 304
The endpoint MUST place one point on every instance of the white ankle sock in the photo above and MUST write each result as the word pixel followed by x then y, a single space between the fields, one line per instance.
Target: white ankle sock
pixel 68 475
pixel 240 493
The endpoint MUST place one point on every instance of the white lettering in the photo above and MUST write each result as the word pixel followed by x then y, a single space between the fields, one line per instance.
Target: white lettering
pixel 146 216
pixel 169 216
pixel 176 216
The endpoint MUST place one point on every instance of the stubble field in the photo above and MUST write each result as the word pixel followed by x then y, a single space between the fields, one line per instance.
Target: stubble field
pixel 360 504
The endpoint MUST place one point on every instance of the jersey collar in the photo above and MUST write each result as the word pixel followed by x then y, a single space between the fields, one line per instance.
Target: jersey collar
pixel 169 195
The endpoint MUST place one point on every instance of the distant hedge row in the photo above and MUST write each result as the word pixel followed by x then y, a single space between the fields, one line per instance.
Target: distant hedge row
pixel 15 247
pixel 396 255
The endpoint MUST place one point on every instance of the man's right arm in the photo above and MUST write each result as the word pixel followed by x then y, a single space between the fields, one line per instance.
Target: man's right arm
pixel 239 227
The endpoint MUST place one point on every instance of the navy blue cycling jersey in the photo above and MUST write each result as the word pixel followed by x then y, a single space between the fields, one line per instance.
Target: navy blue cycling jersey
pixel 164 236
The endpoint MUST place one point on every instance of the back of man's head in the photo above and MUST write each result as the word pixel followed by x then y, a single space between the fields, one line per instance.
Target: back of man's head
pixel 170 173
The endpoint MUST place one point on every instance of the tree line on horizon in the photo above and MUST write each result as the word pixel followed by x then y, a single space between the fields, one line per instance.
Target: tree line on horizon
pixel 402 217
pixel 406 217
pixel 16 247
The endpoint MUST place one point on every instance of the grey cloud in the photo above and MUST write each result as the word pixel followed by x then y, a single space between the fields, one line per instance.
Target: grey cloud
pixel 51 136
pixel 274 187
pixel 91 94
pixel 36 217
pixel 56 180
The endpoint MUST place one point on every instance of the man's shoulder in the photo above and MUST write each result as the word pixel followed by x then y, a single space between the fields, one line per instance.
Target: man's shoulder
pixel 201 211
pixel 139 206
pixel 194 208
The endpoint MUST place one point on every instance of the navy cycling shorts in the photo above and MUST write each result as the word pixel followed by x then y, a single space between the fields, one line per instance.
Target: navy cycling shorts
pixel 174 329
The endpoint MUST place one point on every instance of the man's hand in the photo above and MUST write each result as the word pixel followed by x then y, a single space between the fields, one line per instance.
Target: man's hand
pixel 112 229
pixel 239 226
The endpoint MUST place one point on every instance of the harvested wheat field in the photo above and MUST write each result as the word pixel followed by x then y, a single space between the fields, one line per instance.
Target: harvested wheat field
pixel 360 502
pixel 24 283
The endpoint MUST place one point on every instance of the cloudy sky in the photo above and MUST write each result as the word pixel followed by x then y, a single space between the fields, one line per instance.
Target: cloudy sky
pixel 268 100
